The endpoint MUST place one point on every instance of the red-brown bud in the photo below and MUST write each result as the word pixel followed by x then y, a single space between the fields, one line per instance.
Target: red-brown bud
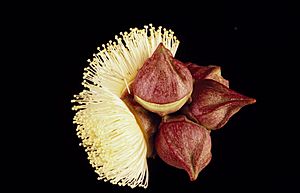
pixel 207 72
pixel 213 103
pixel 163 84
pixel 183 144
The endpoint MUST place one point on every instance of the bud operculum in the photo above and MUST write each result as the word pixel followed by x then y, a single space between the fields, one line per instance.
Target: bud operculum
pixel 163 84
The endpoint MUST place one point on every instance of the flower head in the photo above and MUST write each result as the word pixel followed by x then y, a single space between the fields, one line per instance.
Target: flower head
pixel 112 137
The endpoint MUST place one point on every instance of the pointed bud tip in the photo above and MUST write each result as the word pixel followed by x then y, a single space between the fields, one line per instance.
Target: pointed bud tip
pixel 161 48
pixel 193 177
pixel 252 101
pixel 248 100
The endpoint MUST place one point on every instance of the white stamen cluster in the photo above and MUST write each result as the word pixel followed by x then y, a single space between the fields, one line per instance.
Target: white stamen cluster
pixel 110 133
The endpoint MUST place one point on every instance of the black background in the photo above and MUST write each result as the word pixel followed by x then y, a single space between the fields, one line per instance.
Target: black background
pixel 250 153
